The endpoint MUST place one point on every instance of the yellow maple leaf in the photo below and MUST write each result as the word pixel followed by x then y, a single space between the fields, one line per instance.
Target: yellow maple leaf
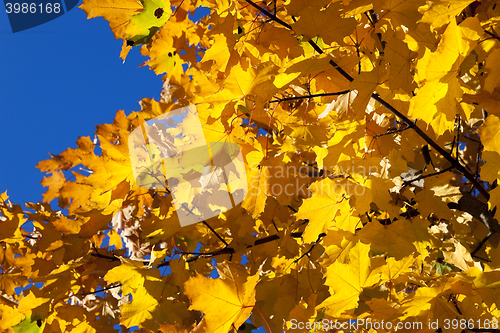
pixel 460 257
pixel 441 12
pixel 9 317
pixel 222 49
pixel 347 281
pixel 10 281
pixel 226 302
pixel 252 82
pixel 486 285
pixel 490 133
pixel 437 101
pixel 337 245
pixel 54 183
pixel 116 12
pixel 149 303
pixel 488 101
pixel 11 219
pixel 151 295
pixel 326 208
pixel 425 299
pixel 299 67
pixel 454 47
pixel 363 86
pixel 400 57
pixel 433 200
pixel 374 190
pixel 492 69
pixel 163 53
pixel 398 239
pixel 330 24
pixel 380 309
pixel 399 13
pixel 130 274
pixel 393 269
pixel 32 305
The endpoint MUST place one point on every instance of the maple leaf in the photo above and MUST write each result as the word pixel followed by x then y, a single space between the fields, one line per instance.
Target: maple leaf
pixel 363 86
pixel 116 12
pixel 223 45
pixel 427 298
pixel 489 133
pixel 330 24
pixel 144 25
pixel 399 13
pixel 227 301
pixel 326 208
pixel 491 67
pixel 439 12
pixel 11 220
pixel 30 325
pixel 374 190
pixel 486 285
pixel 398 239
pixel 9 317
pixel 252 82
pixel 400 57
pixel 489 102
pixel 347 281
pixel 151 297
pixel 437 101
pixel 164 52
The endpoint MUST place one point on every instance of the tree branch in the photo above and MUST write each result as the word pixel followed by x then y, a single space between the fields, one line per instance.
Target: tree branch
pixel 230 250
pixel 321 235
pixel 98 291
pixel 99 255
pixel 271 16
pixel 408 182
pixel 393 132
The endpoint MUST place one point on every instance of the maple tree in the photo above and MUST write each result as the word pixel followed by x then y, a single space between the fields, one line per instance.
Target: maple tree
pixel 382 115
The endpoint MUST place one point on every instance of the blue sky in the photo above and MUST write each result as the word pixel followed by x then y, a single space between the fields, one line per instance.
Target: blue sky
pixel 57 82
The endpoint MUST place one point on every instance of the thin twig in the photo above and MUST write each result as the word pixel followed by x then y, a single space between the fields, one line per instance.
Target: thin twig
pixel 321 235
pixel 99 255
pixel 393 132
pixel 309 96
pixel 216 234
pixel 408 182
pixel 98 291
pixel 369 19
pixel 481 243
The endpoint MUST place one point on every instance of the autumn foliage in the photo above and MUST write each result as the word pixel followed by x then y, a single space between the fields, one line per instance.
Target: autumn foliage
pixel 384 117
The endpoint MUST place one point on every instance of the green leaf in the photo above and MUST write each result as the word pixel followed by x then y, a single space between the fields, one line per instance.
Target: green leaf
pixel 144 25
pixel 443 267
pixel 29 325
